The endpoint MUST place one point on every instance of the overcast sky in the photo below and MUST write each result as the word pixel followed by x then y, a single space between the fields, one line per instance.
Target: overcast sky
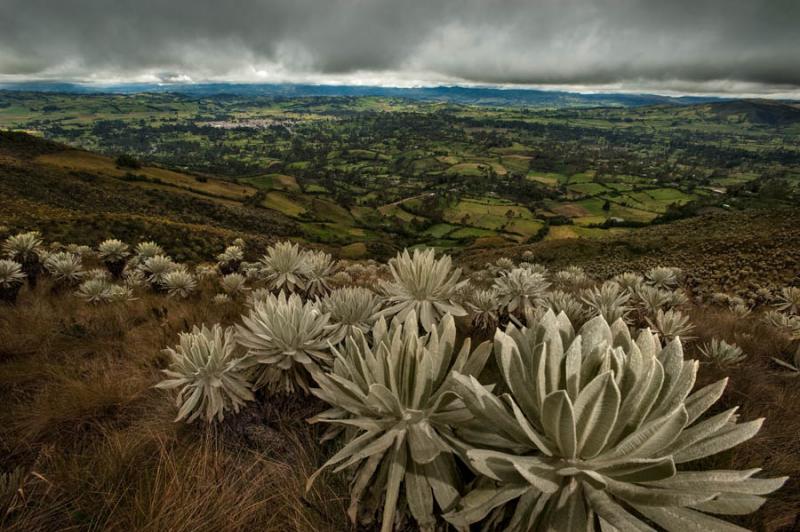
pixel 684 46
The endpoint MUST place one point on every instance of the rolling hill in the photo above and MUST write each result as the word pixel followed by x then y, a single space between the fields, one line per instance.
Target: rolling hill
pixel 79 196
pixel 451 94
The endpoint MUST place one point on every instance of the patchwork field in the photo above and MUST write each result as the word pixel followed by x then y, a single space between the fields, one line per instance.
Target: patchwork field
pixel 388 172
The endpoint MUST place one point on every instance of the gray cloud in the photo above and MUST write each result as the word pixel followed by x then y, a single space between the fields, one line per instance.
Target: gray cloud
pixel 697 45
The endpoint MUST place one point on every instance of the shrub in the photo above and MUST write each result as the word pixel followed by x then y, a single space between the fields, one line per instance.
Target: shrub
pixel 284 267
pixel 351 308
pixel 284 338
pixel 593 431
pixel 394 391
pixel 125 160
pixel 424 285
pixel 520 291
pixel 209 373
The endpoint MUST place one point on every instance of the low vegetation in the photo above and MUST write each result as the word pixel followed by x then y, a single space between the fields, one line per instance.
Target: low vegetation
pixel 487 318
pixel 149 393
pixel 349 171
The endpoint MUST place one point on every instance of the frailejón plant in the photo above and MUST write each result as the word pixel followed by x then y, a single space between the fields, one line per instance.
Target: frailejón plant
pixel 146 250
pixel 351 308
pixel 394 391
pixel 285 338
pixel 484 308
pixel 559 302
pixel 424 285
pixel 208 373
pixel 631 282
pixel 11 273
pixel 519 291
pixel 65 268
pixel 100 290
pixel 156 268
pixel 722 353
pixel 608 301
pixel 179 283
pixel 651 299
pixel 233 284
pixel 672 324
pixel 25 248
pixel 113 253
pixel 663 277
pixel 789 300
pixel 319 271
pixel 230 259
pixel 284 267
pixel 593 431
pixel 11 280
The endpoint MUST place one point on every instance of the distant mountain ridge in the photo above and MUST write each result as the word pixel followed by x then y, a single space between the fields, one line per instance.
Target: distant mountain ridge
pixel 452 94
pixel 767 113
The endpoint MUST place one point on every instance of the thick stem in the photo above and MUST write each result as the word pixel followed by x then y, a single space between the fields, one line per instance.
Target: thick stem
pixel 116 267
pixel 9 293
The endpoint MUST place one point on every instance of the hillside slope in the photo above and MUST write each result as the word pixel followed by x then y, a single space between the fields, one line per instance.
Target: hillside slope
pixel 734 251
pixel 79 196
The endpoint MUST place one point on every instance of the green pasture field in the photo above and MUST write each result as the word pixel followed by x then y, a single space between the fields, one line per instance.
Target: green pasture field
pixel 348 169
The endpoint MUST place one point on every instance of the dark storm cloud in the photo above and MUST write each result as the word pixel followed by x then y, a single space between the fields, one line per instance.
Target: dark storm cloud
pixel 687 45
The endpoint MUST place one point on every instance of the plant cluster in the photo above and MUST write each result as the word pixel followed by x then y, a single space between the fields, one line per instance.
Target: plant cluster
pixel 593 422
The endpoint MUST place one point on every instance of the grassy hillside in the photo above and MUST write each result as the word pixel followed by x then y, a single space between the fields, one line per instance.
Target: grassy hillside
pixel 728 250
pixel 388 172
pixel 82 197
pixel 521 201
pixel 94 445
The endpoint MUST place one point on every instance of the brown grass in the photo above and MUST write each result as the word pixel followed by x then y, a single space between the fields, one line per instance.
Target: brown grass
pixel 98 444
pixel 761 389
pixel 101 452
pixel 79 160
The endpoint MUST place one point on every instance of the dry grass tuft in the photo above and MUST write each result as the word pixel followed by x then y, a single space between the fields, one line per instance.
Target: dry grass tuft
pixel 97 448
pixel 762 390
pixel 96 444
